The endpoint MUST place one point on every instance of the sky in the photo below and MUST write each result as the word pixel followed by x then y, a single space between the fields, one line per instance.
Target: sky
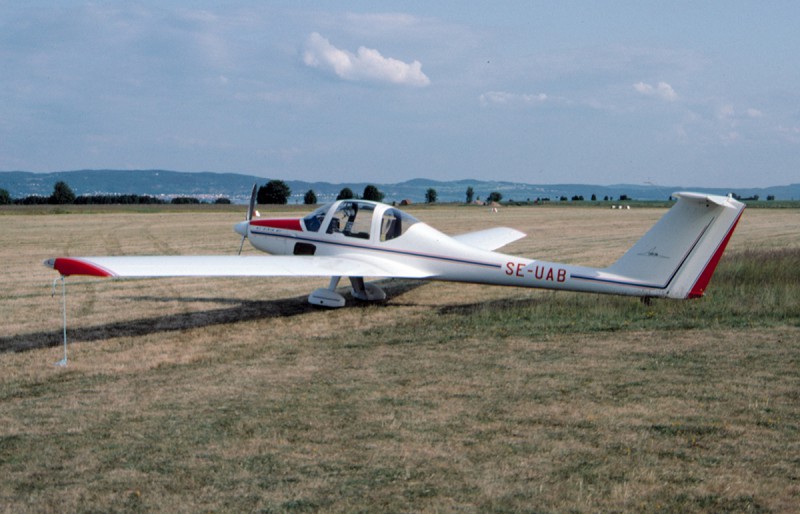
pixel 680 93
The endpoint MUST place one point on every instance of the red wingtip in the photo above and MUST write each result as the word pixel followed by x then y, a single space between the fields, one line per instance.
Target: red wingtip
pixel 70 266
pixel 699 287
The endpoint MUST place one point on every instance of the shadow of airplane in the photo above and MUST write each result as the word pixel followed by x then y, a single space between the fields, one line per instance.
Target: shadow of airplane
pixel 527 303
pixel 241 310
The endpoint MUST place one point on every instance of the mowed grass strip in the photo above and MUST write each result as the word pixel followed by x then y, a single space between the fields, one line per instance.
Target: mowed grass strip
pixel 501 400
pixel 683 421
pixel 752 288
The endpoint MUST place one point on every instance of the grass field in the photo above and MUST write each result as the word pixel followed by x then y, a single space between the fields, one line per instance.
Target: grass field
pixel 188 395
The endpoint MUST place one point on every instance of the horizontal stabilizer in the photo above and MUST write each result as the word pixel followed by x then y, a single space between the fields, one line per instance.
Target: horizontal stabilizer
pixel 490 239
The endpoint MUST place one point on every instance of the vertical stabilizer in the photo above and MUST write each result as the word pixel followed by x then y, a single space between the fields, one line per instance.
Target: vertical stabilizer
pixel 680 253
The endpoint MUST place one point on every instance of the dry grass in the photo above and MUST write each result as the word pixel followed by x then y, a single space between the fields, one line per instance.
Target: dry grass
pixel 234 395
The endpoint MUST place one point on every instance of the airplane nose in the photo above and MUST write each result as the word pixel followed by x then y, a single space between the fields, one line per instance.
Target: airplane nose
pixel 241 228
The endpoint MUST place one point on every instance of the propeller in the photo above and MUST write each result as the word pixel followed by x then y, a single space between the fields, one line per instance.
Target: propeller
pixel 242 228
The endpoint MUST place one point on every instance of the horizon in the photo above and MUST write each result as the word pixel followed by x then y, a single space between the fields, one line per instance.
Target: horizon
pixel 621 92
pixel 621 184
pixel 237 186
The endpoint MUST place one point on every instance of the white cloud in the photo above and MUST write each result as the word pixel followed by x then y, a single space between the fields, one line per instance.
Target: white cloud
pixel 505 98
pixel 725 112
pixel 381 22
pixel 754 113
pixel 367 64
pixel 662 91
pixel 791 134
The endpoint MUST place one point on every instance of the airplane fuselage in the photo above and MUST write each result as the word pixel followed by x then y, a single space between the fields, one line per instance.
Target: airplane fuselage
pixel 441 256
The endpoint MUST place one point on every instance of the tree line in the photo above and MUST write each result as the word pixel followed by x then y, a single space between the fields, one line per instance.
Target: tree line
pixel 275 192
pixel 62 195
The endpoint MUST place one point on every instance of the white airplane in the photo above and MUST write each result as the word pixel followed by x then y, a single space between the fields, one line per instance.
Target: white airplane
pixel 358 238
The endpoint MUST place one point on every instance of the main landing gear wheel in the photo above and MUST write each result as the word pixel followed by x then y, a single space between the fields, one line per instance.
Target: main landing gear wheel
pixel 328 297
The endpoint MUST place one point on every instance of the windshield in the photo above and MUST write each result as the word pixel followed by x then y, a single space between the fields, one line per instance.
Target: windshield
pixel 314 220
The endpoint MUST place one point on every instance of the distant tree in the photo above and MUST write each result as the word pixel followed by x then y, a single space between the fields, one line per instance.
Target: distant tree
pixel 769 197
pixel 33 200
pixel 5 197
pixel 594 197
pixel 623 198
pixel 562 199
pixel 430 195
pixel 494 196
pixel 470 194
pixel 605 198
pixel 62 194
pixel 345 194
pixel 221 201
pixel 275 192
pixel 184 200
pixel 371 193
pixel 128 199
pixel 577 198
pixel 310 197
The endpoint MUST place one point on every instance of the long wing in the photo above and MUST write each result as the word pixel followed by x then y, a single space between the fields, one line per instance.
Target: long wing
pixel 490 239
pixel 232 266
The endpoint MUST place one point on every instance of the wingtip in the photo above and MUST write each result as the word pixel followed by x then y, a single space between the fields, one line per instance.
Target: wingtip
pixel 75 266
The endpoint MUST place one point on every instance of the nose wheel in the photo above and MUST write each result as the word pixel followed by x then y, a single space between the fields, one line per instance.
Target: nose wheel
pixel 327 297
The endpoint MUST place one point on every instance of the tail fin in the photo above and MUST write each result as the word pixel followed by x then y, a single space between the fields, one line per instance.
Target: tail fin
pixel 680 253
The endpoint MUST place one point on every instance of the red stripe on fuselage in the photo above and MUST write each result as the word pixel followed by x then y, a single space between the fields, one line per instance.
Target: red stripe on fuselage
pixel 281 223
pixel 699 287
pixel 68 266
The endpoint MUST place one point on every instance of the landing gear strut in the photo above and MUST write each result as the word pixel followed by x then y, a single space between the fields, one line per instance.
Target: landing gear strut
pixel 328 297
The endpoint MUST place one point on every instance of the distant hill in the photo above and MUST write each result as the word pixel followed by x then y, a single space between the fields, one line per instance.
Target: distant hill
pixel 209 185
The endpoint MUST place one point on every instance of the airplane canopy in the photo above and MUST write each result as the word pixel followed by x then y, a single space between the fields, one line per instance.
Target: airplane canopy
pixel 360 219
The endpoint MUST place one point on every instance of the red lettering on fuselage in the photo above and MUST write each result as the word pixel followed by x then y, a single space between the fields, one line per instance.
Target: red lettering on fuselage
pixel 538 271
